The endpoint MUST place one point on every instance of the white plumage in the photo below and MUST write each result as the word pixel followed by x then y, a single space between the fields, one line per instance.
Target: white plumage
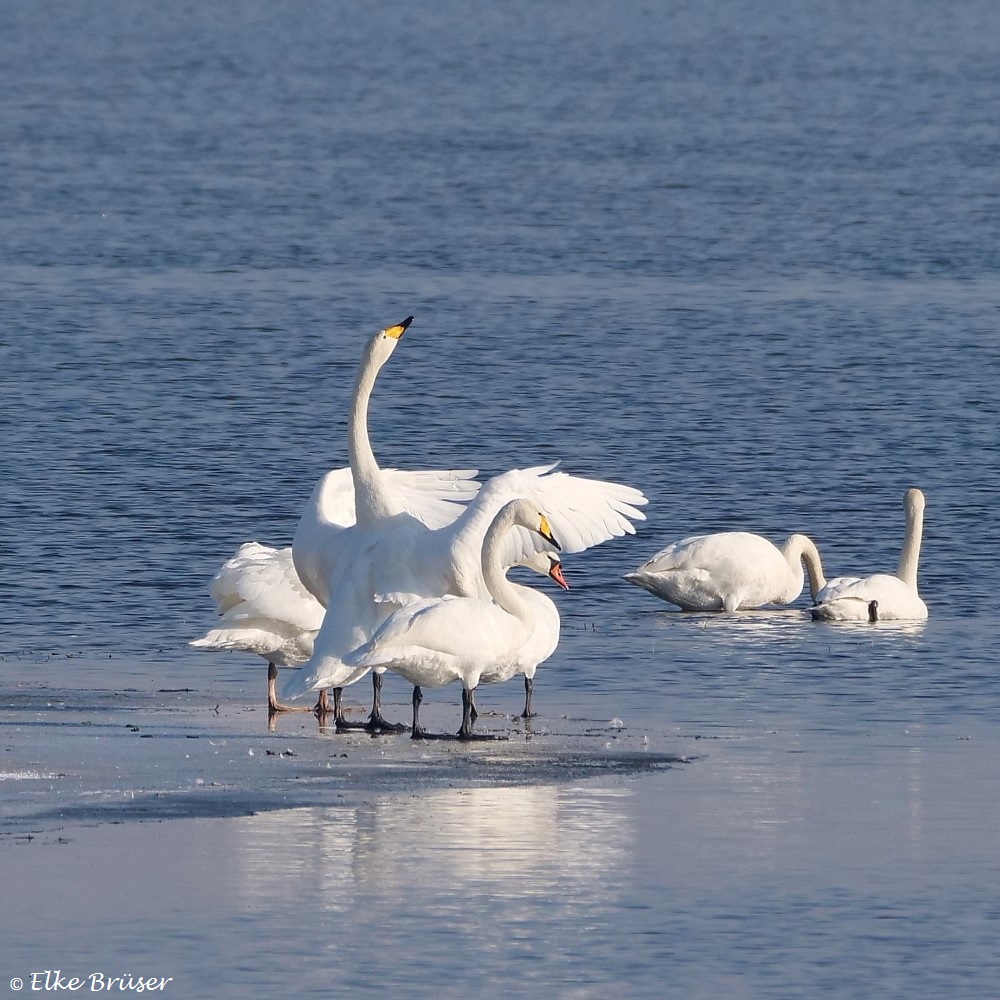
pixel 730 571
pixel 895 597
pixel 264 609
pixel 435 641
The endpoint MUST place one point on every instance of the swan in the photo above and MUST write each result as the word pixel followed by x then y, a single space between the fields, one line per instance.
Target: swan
pixel 730 571
pixel 895 598
pixel 437 640
pixel 363 494
pixel 394 546
pixel 347 511
pixel 402 561
pixel 264 609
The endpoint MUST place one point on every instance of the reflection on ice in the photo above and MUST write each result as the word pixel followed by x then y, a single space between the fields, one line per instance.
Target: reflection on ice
pixel 509 841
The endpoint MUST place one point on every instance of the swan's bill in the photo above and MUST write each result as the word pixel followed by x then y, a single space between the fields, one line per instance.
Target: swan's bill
pixel 545 530
pixel 399 329
pixel 555 571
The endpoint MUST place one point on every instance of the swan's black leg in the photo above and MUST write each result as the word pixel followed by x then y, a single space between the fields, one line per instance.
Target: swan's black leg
pixel 416 730
pixel 529 687
pixel 377 723
pixel 475 711
pixel 339 720
pixel 465 732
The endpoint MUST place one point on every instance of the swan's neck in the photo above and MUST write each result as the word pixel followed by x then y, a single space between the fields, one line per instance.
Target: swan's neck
pixel 506 594
pixel 909 557
pixel 474 522
pixel 800 549
pixel 371 498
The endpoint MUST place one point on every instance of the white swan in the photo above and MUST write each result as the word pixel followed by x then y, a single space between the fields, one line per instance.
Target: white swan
pixel 730 571
pixel 435 641
pixel 882 596
pixel 265 610
pixel 348 510
pixel 399 550
pixel 365 495
pixel 400 561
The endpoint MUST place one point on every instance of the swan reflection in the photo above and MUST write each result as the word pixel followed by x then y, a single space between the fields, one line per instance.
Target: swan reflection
pixel 509 841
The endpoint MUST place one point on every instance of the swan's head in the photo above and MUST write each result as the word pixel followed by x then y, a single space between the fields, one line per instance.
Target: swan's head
pixel 381 346
pixel 524 514
pixel 397 331
pixel 914 500
pixel 555 570
pixel 873 611
pixel 546 564
pixel 546 531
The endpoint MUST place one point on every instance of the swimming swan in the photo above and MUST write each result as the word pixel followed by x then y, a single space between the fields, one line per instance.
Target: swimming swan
pixel 437 640
pixel 895 598
pixel 730 571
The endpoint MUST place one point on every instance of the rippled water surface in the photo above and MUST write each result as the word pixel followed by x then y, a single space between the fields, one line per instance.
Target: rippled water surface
pixel 744 257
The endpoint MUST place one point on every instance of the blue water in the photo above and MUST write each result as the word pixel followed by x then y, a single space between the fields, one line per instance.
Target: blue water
pixel 745 257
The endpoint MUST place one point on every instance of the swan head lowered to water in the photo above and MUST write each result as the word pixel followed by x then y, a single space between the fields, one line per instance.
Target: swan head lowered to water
pixel 730 571
pixel 881 596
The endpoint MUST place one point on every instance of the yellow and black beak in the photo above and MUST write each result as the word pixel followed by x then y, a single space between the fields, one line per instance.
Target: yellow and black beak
pixel 399 329
pixel 546 532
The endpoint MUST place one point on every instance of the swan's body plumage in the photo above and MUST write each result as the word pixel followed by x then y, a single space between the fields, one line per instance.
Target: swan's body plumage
pixel 437 640
pixel 730 571
pixel 849 598
pixel 401 561
pixel 431 498
pixel 263 607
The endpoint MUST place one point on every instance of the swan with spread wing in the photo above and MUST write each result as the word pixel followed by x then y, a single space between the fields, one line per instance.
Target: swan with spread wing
pixel 395 550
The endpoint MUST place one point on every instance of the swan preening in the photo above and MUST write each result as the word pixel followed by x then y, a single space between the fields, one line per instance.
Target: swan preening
pixel 882 596
pixel 730 571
